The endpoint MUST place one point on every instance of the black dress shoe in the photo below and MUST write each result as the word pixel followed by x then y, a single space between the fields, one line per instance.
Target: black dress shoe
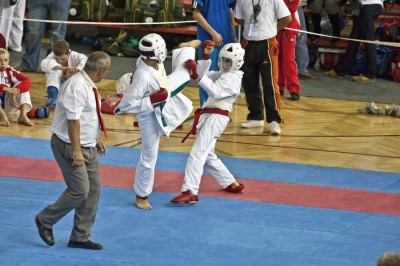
pixel 294 96
pixel 282 92
pixel 45 234
pixel 85 244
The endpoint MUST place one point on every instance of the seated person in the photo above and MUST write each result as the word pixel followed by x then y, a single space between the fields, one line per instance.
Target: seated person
pixel 14 93
pixel 59 65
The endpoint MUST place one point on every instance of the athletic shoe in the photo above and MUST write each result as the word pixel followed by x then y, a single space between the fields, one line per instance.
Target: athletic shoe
pixel 252 123
pixel 307 75
pixel 237 189
pixel 392 110
pixel 15 49
pixel 185 198
pixel 371 108
pixel 332 73
pixel 362 78
pixel 274 128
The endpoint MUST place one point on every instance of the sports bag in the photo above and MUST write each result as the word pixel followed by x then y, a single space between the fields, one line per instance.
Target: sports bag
pixel 111 103
pixel 383 57
pixel 93 10
pixel 391 31
pixel 395 69
pixel 150 11
pixel 328 60
pixel 80 10
pixel 100 10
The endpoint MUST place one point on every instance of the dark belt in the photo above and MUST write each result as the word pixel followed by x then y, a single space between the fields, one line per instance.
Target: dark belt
pixel 58 138
pixel 197 115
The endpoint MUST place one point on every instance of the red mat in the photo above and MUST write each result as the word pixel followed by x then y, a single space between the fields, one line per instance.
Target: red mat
pixel 256 190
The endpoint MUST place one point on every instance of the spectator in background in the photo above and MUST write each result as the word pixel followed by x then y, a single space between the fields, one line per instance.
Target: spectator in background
pixel 214 22
pixel 260 23
pixel 41 10
pixel 288 74
pixel 332 8
pixel 301 50
pixel 363 29
pixel 12 28
pixel 60 65
pixel 14 93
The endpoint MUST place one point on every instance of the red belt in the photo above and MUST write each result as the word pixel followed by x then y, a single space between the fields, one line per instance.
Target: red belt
pixel 197 115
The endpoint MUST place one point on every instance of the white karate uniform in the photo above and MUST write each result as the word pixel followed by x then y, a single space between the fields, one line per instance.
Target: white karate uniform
pixel 223 88
pixel 159 119
pixel 11 23
pixel 55 77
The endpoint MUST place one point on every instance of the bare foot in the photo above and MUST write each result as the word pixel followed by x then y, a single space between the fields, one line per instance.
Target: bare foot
pixel 194 44
pixel 23 119
pixel 4 123
pixel 3 119
pixel 143 204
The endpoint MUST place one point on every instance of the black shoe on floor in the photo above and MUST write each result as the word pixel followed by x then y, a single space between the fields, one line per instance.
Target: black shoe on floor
pixel 85 244
pixel 45 234
pixel 282 92
pixel 294 96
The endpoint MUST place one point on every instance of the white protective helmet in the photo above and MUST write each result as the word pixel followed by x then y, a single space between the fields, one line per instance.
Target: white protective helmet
pixel 123 82
pixel 233 51
pixel 153 46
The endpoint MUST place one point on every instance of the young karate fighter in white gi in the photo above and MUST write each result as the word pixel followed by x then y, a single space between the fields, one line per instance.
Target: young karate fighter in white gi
pixel 223 87
pixel 156 100
pixel 60 65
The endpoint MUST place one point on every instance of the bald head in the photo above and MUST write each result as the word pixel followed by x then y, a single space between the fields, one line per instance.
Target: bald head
pixel 97 65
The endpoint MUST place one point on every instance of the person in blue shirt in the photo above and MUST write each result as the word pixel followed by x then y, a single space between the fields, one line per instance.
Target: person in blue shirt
pixel 214 22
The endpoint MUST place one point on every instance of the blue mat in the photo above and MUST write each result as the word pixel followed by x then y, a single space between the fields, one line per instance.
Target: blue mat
pixel 214 232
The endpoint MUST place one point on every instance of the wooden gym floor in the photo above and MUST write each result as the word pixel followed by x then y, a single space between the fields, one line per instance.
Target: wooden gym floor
pixel 316 131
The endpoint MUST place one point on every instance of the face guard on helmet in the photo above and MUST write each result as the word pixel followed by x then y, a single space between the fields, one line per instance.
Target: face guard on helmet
pixel 235 53
pixel 153 46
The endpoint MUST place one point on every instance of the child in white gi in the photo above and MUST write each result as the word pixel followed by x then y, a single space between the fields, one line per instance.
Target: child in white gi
pixel 59 65
pixel 223 87
pixel 14 90
pixel 156 100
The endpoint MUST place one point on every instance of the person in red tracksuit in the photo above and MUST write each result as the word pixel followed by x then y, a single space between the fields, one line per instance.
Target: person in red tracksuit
pixel 288 74
pixel 14 93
